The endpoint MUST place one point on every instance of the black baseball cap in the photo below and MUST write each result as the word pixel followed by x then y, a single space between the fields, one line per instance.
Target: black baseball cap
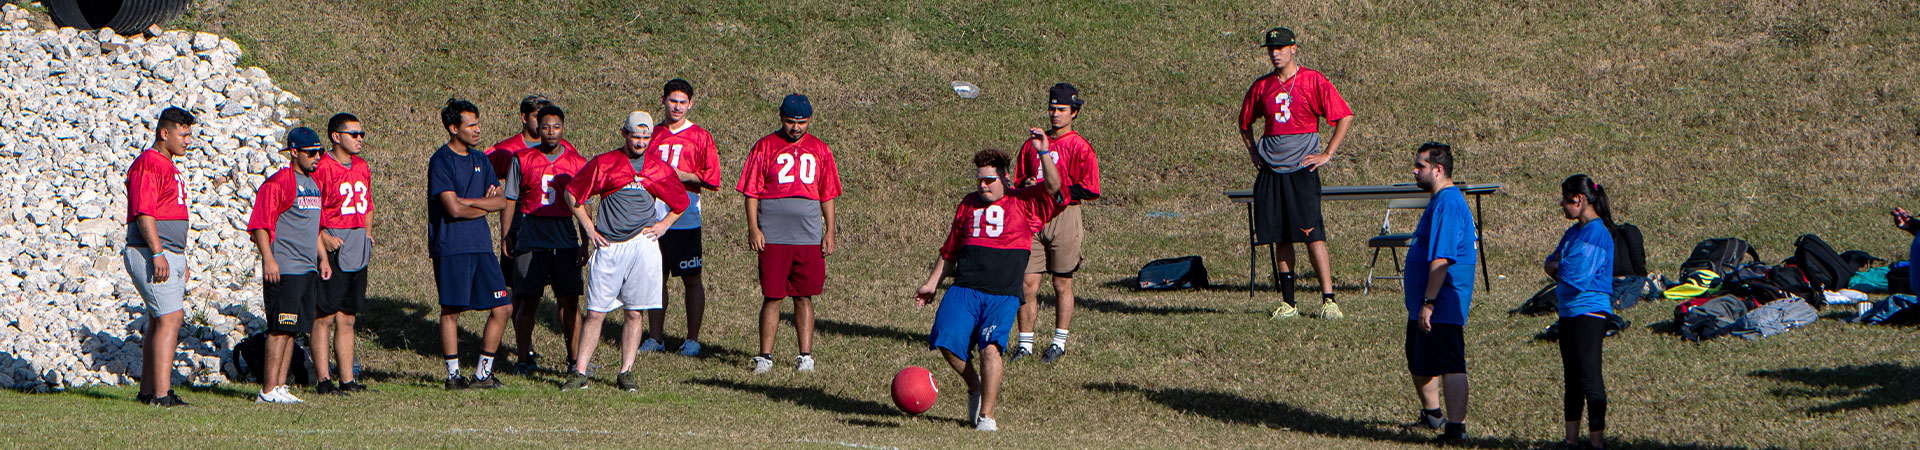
pixel 796 106
pixel 303 138
pixel 1279 37
pixel 1064 94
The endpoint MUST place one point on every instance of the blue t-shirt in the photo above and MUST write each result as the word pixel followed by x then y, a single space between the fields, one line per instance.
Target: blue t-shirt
pixel 1585 254
pixel 1446 231
pixel 466 176
pixel 1913 269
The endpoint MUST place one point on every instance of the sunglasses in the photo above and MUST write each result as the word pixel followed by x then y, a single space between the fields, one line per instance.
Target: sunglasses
pixel 309 151
pixel 987 180
pixel 354 134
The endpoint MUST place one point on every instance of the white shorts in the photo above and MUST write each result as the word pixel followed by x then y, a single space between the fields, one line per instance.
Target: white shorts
pixel 625 273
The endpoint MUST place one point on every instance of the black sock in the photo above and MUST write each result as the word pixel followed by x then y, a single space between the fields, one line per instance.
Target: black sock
pixel 802 354
pixel 1286 287
pixel 1430 412
pixel 1456 429
pixel 1326 297
pixel 768 356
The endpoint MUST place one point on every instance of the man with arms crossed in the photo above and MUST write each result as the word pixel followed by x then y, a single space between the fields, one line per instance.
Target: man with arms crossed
pixel 990 236
pixel 461 190
pixel 1056 248
pixel 625 267
pixel 689 150
pixel 286 228
pixel 1439 290
pixel 541 236
pixel 1286 193
pixel 790 182
pixel 346 184
pixel 156 253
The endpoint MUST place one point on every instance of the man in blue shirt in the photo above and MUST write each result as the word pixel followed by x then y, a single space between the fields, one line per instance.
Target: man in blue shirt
pixel 1439 290
pixel 461 190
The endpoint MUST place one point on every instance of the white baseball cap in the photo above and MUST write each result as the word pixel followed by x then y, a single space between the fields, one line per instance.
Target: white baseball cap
pixel 637 120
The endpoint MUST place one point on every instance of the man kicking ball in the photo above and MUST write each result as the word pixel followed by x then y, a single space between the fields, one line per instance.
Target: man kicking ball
pixel 625 267
pixel 986 252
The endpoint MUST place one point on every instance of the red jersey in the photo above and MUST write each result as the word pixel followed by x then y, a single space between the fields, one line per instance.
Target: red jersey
pixel 501 153
pixel 343 192
pixel 540 180
pixel 155 188
pixel 1079 167
pixel 1294 105
pixel 689 150
pixel 780 169
pixel 1007 224
pixel 612 172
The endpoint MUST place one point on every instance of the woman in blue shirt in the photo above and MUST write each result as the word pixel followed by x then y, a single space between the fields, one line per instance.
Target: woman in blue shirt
pixel 1582 269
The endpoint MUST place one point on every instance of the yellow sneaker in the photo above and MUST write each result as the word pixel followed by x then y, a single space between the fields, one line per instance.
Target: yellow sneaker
pixel 1284 310
pixel 1331 310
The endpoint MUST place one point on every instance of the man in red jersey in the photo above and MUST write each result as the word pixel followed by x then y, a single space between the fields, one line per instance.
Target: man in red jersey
pixel 544 241
pixel 346 184
pixel 285 225
pixel 626 259
pixel 1286 193
pixel 1056 248
pixel 689 150
pixel 500 156
pixel 985 250
pixel 790 182
pixel 156 252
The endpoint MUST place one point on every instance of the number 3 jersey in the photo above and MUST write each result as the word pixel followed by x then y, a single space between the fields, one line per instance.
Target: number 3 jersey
pixel 989 242
pixel 535 180
pixel 155 189
pixel 345 204
pixel 791 179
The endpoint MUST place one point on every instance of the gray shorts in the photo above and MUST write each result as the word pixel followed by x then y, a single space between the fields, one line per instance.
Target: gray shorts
pixel 160 298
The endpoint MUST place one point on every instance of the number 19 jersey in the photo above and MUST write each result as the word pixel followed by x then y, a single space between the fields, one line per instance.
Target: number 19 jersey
pixel 989 242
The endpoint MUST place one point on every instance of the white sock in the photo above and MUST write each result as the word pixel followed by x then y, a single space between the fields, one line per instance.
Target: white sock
pixel 1060 338
pixel 485 369
pixel 453 367
pixel 1026 341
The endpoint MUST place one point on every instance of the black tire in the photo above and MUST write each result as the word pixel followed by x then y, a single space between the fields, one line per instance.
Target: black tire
pixel 126 17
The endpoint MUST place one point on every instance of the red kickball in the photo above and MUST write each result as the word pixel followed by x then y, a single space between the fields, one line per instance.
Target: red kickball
pixel 913 390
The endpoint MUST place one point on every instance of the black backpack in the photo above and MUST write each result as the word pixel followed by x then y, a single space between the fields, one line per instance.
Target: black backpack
pixel 251 354
pixel 1629 251
pixel 1899 281
pixel 1174 273
pixel 1541 303
pixel 1721 255
pixel 1821 265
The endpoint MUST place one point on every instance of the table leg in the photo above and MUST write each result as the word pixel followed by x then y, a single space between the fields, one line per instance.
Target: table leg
pixel 1253 250
pixel 1486 281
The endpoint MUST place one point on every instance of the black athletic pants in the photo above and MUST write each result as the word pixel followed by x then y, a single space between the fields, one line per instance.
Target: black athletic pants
pixel 1580 362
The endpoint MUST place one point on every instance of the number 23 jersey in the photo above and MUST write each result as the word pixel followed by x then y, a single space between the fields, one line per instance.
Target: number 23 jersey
pixel 344 192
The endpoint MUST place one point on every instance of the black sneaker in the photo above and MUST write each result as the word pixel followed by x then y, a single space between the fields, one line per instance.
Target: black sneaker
pixel 524 368
pixel 575 381
pixel 144 398
pixel 626 382
pixel 1019 352
pixel 1449 439
pixel 457 383
pixel 171 400
pixel 326 387
pixel 1054 352
pixel 1427 422
pixel 488 383
pixel 353 386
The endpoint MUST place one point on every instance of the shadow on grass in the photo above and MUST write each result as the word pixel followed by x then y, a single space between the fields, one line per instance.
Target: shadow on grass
pixel 1118 307
pixel 1666 327
pixel 859 330
pixel 817 399
pixel 1857 387
pixel 398 324
pixel 870 423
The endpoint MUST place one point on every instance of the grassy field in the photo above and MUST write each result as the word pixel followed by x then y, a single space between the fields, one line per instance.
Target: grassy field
pixel 1758 119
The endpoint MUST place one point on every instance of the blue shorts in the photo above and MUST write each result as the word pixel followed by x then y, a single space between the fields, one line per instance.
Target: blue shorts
pixel 470 281
pixel 970 319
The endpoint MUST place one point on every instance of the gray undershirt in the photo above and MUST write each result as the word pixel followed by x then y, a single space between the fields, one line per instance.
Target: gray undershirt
pixel 791 221
pixel 1283 152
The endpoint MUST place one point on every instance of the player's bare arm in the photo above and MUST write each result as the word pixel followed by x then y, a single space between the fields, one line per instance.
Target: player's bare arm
pixel 586 220
pixel 1313 162
pixel 326 272
pixel 826 238
pixel 924 295
pixel 150 229
pixel 660 228
pixel 269 269
pixel 755 240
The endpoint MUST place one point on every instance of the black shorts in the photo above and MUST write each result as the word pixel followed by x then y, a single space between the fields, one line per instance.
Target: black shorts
pixel 534 271
pixel 1438 352
pixel 289 303
pixel 680 252
pixel 507 271
pixel 343 293
pixel 1286 208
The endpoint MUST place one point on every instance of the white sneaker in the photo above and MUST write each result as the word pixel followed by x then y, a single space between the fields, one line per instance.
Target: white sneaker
pixel 804 363
pixel 983 423
pixel 278 395
pixel 651 345
pixel 690 348
pixel 762 364
pixel 973 407
pixel 287 394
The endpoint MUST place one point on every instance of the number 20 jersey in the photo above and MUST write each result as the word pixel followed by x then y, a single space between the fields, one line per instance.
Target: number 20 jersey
pixel 989 242
pixel 780 169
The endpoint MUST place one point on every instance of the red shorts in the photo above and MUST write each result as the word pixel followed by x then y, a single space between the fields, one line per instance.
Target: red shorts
pixel 792 271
